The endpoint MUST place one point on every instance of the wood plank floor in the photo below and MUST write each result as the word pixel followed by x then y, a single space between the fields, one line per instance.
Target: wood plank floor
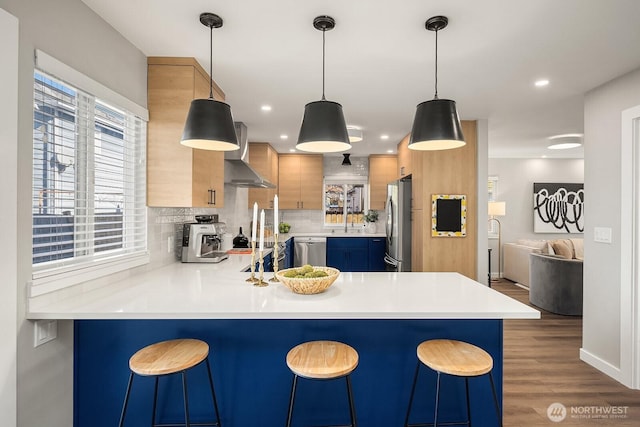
pixel 542 366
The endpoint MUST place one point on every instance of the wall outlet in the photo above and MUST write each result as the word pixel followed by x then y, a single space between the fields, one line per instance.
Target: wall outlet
pixel 44 331
pixel 602 234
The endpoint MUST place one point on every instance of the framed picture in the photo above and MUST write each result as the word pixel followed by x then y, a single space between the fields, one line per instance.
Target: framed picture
pixel 558 208
pixel 448 215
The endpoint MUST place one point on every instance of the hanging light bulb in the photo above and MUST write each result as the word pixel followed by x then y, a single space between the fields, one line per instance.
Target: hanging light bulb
pixel 323 129
pixel 209 124
pixel 436 125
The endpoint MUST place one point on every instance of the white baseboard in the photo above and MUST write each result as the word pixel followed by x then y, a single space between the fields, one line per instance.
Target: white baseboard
pixel 601 365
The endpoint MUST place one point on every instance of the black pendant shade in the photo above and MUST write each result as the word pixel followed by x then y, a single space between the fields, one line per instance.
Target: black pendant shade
pixel 436 126
pixel 323 129
pixel 346 161
pixel 209 126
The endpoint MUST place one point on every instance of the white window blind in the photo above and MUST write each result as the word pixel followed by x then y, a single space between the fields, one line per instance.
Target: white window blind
pixel 89 164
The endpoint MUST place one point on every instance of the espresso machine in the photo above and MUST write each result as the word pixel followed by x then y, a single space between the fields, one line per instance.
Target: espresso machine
pixel 201 241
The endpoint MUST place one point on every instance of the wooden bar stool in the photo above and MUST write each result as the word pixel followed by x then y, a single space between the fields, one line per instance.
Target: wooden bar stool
pixel 166 358
pixel 322 360
pixel 458 359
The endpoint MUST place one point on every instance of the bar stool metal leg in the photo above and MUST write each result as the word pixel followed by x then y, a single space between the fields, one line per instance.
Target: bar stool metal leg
pixel 213 394
pixel 126 400
pixel 291 399
pixel 155 403
pixel 352 408
pixel 495 398
pixel 466 388
pixel 186 399
pixel 435 415
pixel 413 390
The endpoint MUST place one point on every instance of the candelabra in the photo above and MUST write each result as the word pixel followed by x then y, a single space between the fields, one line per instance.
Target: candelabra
pixel 252 278
pixel 260 281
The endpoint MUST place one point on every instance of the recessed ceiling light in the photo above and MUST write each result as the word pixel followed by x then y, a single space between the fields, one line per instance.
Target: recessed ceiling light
pixel 355 133
pixel 541 82
pixel 389 151
pixel 266 108
pixel 567 135
pixel 565 141
pixel 384 136
pixel 284 136
pixel 544 156
pixel 564 146
pixel 292 150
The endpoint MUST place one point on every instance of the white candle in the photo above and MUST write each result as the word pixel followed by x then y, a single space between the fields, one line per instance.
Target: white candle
pixel 275 216
pixel 262 230
pixel 254 225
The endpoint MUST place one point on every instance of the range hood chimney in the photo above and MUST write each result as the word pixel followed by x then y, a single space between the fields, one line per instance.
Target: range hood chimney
pixel 237 171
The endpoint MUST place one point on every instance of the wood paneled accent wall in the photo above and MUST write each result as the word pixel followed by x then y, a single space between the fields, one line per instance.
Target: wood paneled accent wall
pixel 447 172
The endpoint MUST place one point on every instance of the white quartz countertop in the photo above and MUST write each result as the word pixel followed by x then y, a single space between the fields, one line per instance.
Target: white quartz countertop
pixel 219 291
pixel 336 233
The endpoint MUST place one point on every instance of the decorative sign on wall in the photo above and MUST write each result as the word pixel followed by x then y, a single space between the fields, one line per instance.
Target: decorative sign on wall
pixel 558 208
pixel 448 215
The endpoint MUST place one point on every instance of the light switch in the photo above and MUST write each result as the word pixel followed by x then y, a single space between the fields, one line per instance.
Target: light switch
pixel 44 331
pixel 602 234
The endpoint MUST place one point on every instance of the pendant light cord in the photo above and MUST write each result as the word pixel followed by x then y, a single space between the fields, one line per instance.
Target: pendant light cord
pixel 436 94
pixel 323 44
pixel 211 62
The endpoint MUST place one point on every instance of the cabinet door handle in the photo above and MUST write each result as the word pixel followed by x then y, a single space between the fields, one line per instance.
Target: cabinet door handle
pixel 212 197
pixel 401 170
pixel 302 205
pixel 298 205
pixel 271 204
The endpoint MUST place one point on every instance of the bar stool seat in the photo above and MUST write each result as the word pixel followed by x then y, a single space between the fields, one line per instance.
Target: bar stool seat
pixel 456 358
pixel 322 360
pixel 166 358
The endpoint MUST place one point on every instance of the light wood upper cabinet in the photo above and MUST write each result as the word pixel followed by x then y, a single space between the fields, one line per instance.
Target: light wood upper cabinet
pixel 300 181
pixel 404 158
pixel 264 159
pixel 179 176
pixel 382 170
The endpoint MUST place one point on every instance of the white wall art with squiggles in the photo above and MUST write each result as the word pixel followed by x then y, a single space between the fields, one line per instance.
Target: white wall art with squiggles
pixel 558 208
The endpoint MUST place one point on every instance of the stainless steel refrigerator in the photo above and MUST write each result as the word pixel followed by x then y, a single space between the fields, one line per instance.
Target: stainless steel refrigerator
pixel 398 227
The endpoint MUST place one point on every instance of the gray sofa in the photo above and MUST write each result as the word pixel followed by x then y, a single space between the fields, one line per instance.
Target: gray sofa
pixel 555 284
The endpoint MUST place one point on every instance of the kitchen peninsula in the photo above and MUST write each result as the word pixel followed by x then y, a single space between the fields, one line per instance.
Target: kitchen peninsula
pixel 250 329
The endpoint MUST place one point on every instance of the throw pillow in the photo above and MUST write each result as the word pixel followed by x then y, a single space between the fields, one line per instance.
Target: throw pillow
pixel 561 248
pixel 578 247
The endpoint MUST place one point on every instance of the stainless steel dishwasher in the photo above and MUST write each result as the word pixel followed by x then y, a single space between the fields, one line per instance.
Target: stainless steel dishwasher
pixel 310 250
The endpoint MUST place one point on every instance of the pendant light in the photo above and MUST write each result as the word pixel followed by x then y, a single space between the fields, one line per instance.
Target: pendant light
pixel 209 124
pixel 436 125
pixel 323 129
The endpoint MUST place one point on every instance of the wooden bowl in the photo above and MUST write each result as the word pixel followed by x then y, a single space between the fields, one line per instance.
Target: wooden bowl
pixel 311 285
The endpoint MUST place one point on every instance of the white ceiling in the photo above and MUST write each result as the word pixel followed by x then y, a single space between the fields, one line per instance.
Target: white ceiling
pixel 380 60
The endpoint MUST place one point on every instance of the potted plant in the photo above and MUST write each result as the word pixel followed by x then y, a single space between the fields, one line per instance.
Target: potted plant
pixel 370 220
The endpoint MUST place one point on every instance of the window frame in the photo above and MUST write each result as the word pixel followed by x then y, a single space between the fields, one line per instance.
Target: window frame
pixel 51 275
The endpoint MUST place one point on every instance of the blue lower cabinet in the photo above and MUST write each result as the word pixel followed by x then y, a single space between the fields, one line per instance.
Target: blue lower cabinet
pixel 377 247
pixel 348 253
pixel 268 263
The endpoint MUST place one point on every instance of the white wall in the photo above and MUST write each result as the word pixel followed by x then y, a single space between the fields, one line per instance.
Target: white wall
pixel 515 188
pixel 602 138
pixel 71 32
pixel 8 194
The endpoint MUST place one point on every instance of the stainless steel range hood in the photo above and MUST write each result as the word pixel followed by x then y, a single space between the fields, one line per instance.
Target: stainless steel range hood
pixel 237 171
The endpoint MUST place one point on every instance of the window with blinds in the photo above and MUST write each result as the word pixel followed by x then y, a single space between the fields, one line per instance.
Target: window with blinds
pixel 88 179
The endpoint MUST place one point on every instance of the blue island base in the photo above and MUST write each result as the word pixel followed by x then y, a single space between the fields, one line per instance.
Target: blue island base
pixel 253 382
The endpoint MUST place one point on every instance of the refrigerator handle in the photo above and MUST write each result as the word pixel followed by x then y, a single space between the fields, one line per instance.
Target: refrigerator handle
pixel 389 229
